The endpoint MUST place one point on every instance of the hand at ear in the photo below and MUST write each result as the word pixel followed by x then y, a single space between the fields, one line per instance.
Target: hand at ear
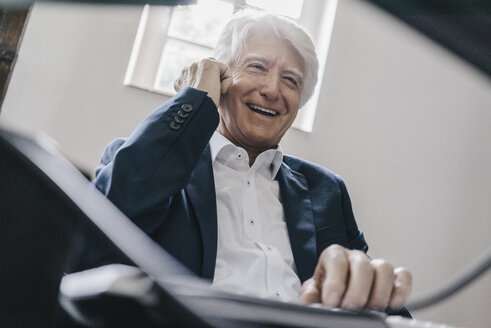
pixel 208 75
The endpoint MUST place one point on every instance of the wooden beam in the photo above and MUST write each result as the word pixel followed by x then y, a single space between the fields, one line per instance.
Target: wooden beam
pixel 12 23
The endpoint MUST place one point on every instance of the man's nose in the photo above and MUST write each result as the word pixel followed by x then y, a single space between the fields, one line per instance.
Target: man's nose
pixel 270 87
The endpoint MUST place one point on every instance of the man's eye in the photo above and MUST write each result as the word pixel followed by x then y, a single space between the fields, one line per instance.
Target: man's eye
pixel 291 81
pixel 257 66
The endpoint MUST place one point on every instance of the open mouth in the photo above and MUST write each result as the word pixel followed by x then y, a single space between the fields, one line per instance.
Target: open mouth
pixel 261 110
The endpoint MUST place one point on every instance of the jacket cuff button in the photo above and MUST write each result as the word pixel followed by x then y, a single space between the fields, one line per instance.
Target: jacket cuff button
pixel 187 108
pixel 174 126
pixel 178 119
pixel 182 114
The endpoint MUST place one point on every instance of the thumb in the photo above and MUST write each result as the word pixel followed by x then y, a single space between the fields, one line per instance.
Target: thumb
pixel 310 292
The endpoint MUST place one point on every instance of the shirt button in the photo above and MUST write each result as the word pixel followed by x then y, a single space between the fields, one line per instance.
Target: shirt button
pixel 277 293
pixel 248 182
pixel 269 248
pixel 251 222
pixel 239 156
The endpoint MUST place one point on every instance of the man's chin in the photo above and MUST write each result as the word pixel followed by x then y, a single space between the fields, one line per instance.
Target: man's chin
pixel 261 141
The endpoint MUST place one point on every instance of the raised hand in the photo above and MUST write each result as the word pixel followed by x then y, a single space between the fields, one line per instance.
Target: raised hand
pixel 207 75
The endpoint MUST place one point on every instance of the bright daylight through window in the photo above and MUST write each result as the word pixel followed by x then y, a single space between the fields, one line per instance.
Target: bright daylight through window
pixel 170 38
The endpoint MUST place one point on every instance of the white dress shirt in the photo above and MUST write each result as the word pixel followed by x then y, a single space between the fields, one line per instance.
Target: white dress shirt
pixel 254 255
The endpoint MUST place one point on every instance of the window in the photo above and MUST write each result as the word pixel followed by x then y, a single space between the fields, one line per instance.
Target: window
pixel 169 38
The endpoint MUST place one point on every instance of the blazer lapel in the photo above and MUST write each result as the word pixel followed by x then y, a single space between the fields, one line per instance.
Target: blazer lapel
pixel 297 205
pixel 201 191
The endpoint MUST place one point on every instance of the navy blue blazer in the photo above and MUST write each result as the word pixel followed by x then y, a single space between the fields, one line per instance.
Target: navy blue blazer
pixel 161 177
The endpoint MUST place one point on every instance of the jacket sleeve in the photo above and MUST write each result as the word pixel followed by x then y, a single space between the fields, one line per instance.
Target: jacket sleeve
pixel 140 173
pixel 355 238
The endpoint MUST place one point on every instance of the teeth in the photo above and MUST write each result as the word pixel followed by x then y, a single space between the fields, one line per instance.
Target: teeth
pixel 269 111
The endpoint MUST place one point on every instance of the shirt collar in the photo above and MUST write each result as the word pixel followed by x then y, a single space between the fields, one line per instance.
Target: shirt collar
pixel 217 143
pixel 276 160
pixel 274 156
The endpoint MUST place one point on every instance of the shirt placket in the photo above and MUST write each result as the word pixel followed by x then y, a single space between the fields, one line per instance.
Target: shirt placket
pixel 253 224
pixel 273 274
pixel 274 266
pixel 250 207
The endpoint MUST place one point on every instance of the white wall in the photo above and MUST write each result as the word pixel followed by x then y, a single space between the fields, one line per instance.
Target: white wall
pixel 68 78
pixel 403 121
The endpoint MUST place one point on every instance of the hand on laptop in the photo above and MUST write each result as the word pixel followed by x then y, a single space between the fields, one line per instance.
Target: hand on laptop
pixel 351 280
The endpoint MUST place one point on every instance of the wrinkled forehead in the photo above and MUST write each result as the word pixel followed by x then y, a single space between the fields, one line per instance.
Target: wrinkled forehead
pixel 264 42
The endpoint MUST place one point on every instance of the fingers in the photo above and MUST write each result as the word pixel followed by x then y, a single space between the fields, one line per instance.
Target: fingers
pixel 209 75
pixel 183 79
pixel 327 288
pixel 383 284
pixel 350 280
pixel 335 264
pixel 402 288
pixel 360 281
pixel 187 77
pixel 309 292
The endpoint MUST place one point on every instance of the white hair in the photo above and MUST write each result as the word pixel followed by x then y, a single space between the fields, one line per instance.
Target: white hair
pixel 233 42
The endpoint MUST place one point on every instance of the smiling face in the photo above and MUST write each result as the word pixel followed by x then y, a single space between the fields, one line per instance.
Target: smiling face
pixel 264 98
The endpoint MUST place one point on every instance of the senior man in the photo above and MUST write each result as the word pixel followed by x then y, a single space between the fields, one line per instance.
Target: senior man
pixel 203 175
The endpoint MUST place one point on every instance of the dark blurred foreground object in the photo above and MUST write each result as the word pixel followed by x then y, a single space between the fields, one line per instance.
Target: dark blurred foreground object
pixel 462 26
pixel 47 206
pixel 104 2
pixel 91 296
